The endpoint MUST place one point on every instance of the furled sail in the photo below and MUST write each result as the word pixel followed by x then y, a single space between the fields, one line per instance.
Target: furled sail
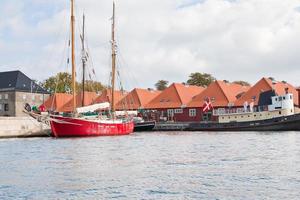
pixel 93 107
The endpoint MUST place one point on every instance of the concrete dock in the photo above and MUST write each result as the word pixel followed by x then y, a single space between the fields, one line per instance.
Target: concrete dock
pixel 22 127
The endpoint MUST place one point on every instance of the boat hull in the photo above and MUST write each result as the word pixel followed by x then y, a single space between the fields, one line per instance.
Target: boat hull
pixel 144 126
pixel 74 127
pixel 285 123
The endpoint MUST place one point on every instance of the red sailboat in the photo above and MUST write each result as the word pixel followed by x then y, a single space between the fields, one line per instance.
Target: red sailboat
pixel 79 126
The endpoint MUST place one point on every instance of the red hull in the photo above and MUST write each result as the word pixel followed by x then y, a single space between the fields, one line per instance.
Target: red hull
pixel 73 127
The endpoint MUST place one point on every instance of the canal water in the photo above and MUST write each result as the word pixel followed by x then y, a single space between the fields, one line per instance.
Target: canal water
pixel 155 165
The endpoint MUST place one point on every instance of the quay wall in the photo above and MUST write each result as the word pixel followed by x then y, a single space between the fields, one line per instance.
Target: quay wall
pixel 22 127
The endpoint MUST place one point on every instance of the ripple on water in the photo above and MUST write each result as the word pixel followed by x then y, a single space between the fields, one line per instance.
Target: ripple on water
pixel 153 166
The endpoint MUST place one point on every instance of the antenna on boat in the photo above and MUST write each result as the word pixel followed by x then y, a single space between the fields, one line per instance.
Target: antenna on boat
pixel 73 55
pixel 113 65
pixel 84 59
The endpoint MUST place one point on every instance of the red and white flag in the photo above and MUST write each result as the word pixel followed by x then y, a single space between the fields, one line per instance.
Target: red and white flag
pixel 207 105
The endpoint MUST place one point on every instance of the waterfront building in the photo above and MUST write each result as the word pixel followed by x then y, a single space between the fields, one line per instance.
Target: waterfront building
pixel 106 96
pixel 57 101
pixel 89 99
pixel 17 89
pixel 264 85
pixel 170 104
pixel 137 99
pixel 221 95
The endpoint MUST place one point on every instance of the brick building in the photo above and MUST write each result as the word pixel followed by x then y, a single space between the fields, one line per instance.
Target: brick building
pixel 169 104
pixel 221 94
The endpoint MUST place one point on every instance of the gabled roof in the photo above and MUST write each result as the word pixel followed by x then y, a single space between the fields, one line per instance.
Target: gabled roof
pixel 89 98
pixel 17 81
pixel 263 85
pixel 137 99
pixel 105 96
pixel 176 95
pixel 220 93
pixel 56 102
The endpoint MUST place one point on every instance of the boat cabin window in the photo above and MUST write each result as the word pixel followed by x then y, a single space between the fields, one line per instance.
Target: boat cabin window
pixel 291 97
pixel 283 98
pixel 276 99
pixel 279 112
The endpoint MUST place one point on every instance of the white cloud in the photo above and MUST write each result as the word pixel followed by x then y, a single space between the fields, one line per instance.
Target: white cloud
pixel 162 39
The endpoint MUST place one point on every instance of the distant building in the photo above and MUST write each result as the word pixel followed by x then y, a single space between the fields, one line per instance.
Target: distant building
pixel 105 96
pixel 264 85
pixel 221 94
pixel 170 104
pixel 16 89
pixel 137 99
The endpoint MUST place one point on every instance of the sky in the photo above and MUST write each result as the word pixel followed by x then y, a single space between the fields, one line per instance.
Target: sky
pixel 157 39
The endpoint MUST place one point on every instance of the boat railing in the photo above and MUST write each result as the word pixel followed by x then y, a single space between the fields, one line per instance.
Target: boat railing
pixel 228 111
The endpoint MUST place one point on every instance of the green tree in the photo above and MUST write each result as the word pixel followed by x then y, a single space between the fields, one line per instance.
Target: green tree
pixel 161 85
pixel 200 79
pixel 60 83
pixel 243 83
pixel 91 86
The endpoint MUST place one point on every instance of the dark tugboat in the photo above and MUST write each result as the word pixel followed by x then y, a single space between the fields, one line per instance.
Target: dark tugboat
pixel 277 114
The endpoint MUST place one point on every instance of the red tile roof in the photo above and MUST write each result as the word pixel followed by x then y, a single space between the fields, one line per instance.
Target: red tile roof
pixel 105 96
pixel 220 93
pixel 266 84
pixel 57 101
pixel 89 98
pixel 175 96
pixel 137 99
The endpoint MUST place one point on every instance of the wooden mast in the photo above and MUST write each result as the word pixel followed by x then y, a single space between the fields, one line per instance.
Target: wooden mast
pixel 113 48
pixel 83 60
pixel 73 55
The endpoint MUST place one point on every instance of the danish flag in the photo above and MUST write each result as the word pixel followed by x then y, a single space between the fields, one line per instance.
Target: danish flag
pixel 207 105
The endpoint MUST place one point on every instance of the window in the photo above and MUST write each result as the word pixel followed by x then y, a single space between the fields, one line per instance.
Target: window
pixel 192 112
pixel 178 111
pixel 170 112
pixel 0 96
pixel 6 108
pixel 6 96
pixel 283 98
pixel 1 107
pixel 291 97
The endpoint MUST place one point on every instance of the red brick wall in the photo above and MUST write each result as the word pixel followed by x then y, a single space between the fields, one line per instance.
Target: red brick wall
pixel 298 96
